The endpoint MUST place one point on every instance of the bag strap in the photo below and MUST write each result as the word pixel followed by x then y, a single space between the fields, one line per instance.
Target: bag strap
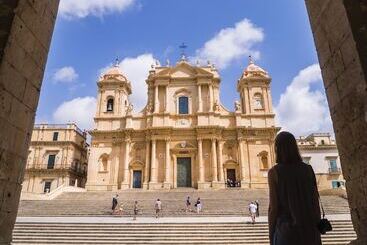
pixel 322 207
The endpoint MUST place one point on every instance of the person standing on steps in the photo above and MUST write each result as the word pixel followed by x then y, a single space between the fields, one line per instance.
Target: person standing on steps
pixel 136 210
pixel 294 211
pixel 252 209
pixel 188 204
pixel 114 203
pixel 158 208
pixel 198 205
pixel 257 208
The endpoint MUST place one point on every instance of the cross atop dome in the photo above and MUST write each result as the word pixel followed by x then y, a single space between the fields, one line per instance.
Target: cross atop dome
pixel 183 47
pixel 117 62
pixel 250 60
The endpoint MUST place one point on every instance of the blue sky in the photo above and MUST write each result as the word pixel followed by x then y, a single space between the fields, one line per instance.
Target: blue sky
pixel 90 34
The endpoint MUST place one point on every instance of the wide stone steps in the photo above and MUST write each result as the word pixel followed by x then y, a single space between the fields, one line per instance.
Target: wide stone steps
pixel 229 202
pixel 160 233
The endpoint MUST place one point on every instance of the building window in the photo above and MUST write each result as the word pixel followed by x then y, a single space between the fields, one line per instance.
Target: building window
pixel 333 166
pixel 258 101
pixel 110 104
pixel 47 187
pixel 337 184
pixel 183 105
pixel 51 161
pixel 55 136
pixel 322 142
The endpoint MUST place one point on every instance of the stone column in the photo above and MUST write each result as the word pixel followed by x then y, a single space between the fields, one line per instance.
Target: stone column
pixel 265 100
pixel 125 179
pixel 167 179
pixel 199 98
pixel 167 100
pixel 153 167
pixel 242 160
pixel 114 168
pixel 214 162
pixel 247 108
pixel 147 161
pixel 210 97
pixel 156 109
pixel 220 160
pixel 201 163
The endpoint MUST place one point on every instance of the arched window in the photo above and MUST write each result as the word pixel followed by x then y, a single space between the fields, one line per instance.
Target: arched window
pixel 183 105
pixel 110 104
pixel 258 101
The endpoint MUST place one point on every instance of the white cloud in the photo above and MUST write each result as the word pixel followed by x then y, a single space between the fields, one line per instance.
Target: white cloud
pixel 72 9
pixel 80 110
pixel 302 110
pixel 136 70
pixel 65 74
pixel 231 44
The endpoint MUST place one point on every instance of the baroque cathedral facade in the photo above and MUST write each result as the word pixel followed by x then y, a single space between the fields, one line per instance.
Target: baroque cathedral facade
pixel 184 136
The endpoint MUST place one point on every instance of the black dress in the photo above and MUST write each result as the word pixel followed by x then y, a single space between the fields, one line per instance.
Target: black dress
pixel 294 210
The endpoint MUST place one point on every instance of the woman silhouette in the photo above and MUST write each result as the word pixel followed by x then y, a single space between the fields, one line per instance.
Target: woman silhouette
pixel 294 210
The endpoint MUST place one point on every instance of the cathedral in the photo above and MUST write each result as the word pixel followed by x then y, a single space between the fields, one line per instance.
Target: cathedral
pixel 184 136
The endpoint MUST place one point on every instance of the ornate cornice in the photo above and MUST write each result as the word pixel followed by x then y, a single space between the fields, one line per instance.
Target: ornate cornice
pixel 57 144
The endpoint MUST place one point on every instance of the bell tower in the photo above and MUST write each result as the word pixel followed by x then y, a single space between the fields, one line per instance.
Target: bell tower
pixel 113 94
pixel 254 89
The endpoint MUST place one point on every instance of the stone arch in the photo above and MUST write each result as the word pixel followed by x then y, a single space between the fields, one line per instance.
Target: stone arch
pixel 263 158
pixel 110 104
pixel 341 55
pixel 258 101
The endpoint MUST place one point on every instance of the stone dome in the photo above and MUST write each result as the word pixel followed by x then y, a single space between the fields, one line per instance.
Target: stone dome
pixel 114 72
pixel 253 70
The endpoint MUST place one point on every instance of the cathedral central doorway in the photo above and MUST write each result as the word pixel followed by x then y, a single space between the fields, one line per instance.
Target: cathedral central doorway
pixel 183 172
pixel 231 175
pixel 136 179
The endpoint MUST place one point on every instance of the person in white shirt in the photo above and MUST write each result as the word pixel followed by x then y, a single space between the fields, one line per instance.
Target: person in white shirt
pixel 198 205
pixel 253 209
pixel 158 207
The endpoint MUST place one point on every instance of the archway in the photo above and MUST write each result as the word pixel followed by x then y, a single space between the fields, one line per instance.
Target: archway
pixel 340 32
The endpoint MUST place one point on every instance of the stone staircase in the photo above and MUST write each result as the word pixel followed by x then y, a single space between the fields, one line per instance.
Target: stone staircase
pixel 161 233
pixel 229 202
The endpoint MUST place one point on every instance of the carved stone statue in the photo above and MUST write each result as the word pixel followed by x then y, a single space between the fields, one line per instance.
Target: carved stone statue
pixel 216 106
pixel 129 109
pixel 237 106
pixel 149 107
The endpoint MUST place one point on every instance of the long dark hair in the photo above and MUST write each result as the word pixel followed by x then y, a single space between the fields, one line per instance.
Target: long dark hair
pixel 286 149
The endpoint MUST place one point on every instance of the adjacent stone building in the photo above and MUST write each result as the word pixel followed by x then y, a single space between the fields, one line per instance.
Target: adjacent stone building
pixel 320 151
pixel 57 156
pixel 184 136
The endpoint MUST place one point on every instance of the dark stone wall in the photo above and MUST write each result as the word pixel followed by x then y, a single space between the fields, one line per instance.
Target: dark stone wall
pixel 26 28
pixel 340 34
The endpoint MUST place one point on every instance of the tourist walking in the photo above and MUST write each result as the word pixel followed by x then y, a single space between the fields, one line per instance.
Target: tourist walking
pixel 158 208
pixel 136 210
pixel 257 208
pixel 114 203
pixel 188 204
pixel 294 210
pixel 198 205
pixel 252 209
pixel 121 208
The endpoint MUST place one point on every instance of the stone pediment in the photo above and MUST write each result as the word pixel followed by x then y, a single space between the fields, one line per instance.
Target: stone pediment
pixel 184 70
